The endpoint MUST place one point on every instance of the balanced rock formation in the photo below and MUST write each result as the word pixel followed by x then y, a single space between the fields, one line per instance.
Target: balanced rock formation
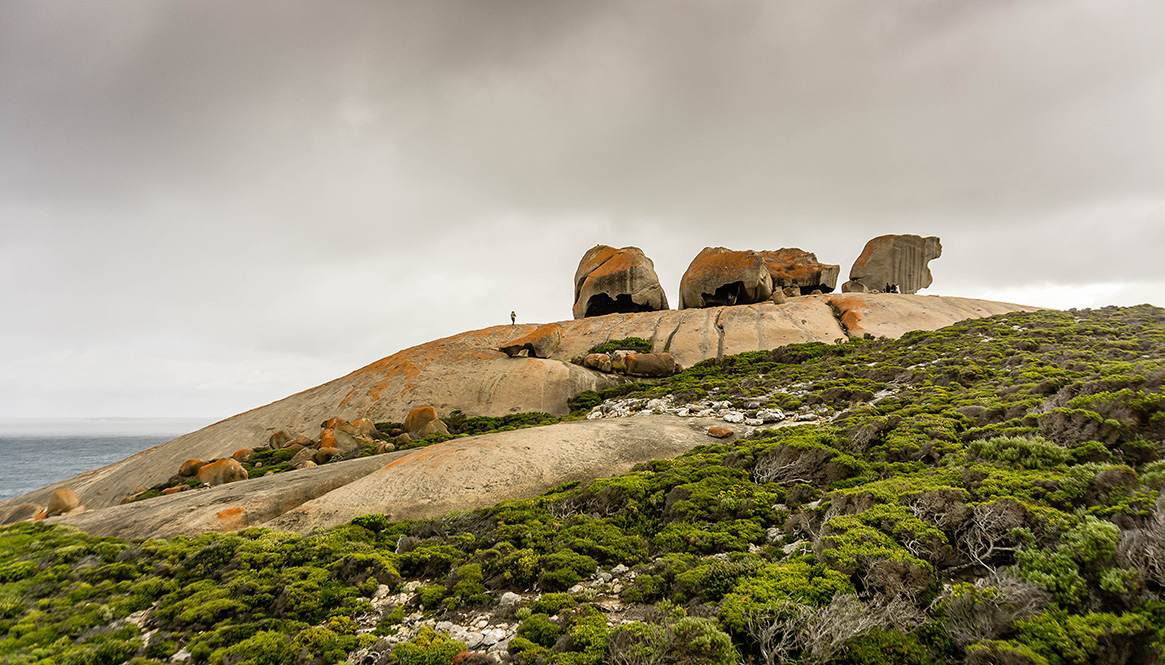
pixel 898 260
pixel 796 267
pixel 61 502
pixel 718 277
pixel 610 280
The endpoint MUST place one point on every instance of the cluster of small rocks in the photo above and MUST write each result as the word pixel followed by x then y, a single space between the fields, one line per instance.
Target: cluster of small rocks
pixel 707 408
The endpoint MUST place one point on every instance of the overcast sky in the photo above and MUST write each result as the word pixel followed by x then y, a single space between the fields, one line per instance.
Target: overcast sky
pixel 207 206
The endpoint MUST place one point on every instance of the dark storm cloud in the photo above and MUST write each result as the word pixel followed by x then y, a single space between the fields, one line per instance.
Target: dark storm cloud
pixel 224 199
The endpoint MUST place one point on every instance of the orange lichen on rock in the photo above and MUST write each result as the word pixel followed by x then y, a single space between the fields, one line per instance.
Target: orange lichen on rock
pixel 848 310
pixel 231 519
pixel 610 280
pixel 720 276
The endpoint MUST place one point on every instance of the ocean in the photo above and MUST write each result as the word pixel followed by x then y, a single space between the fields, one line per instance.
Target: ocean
pixel 39 452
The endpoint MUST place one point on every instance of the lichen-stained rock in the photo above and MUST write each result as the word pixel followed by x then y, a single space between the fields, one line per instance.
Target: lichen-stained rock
pixel 61 502
pixel 650 364
pixel 599 361
pixel 719 277
pixel 190 467
pixel 791 266
pixel 222 471
pixel 279 440
pixel 900 260
pixel 541 343
pixel 423 421
pixel 612 280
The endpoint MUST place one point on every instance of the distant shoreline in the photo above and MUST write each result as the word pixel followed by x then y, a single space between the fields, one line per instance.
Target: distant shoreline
pixel 105 426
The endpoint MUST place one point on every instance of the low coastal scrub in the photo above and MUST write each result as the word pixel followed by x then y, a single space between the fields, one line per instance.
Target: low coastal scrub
pixel 989 492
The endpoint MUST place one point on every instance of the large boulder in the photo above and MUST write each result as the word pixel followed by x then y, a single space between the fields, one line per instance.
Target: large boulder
pixel 719 276
pixel 190 467
pixel 61 502
pixel 795 267
pixel 423 421
pixel 541 343
pixel 222 471
pixel 899 260
pixel 612 280
pixel 650 364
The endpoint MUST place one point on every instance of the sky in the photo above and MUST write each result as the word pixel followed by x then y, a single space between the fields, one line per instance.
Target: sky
pixel 207 206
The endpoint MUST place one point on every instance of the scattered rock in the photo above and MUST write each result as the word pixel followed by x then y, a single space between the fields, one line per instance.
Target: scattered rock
pixel 899 260
pixel 422 422
pixel 599 361
pixel 734 417
pixel 650 364
pixel 221 472
pixel 719 276
pixel 541 343
pixel 61 502
pixel 779 297
pixel 793 267
pixel 332 423
pixel 854 286
pixel 302 442
pixel 244 454
pixel 610 280
pixel 366 427
pixel 509 600
pixel 402 439
pixel 720 432
pixel 279 440
pixel 190 467
pixel 301 458
pixel 384 447
pixel 326 454
pixel 175 489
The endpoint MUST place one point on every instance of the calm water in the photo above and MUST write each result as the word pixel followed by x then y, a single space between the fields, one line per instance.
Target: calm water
pixel 37 453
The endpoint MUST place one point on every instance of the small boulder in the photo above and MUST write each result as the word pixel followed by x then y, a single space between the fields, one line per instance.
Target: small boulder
pixel 423 421
pixel 175 489
pixel 650 364
pixel 302 442
pixel 779 297
pixel 301 457
pixel 854 286
pixel 347 438
pixel 402 439
pixel 541 343
pixel 610 280
pixel 897 260
pixel 619 360
pixel 719 277
pixel 221 472
pixel 244 454
pixel 190 467
pixel 332 422
pixel 366 427
pixel 279 440
pixel 720 432
pixel 62 501
pixel 793 267
pixel 791 291
pixel 326 454
pixel 599 361
pixel 384 447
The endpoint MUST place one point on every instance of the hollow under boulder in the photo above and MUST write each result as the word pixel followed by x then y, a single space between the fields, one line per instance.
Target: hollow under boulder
pixel 718 277
pixel 610 280
pixel 791 266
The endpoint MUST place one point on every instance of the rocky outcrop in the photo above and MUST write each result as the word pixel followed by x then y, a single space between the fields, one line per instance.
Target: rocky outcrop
pixel 62 501
pixel 900 260
pixel 222 471
pixel 467 372
pixel 719 276
pixel 610 280
pixel 797 268
pixel 542 342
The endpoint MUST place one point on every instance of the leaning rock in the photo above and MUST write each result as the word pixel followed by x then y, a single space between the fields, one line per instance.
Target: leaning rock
pixel 796 267
pixel 541 343
pixel 650 364
pixel 61 502
pixel 612 280
pixel 221 472
pixel 896 259
pixel 719 276
pixel 190 467
pixel 854 286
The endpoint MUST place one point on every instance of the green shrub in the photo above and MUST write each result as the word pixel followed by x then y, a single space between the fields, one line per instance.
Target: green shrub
pixel 636 344
pixel 1033 453
pixel 539 629
pixel 428 648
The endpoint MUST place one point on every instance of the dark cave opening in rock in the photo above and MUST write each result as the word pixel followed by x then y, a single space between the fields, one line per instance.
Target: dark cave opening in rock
pixel 602 303
pixel 728 294
pixel 808 290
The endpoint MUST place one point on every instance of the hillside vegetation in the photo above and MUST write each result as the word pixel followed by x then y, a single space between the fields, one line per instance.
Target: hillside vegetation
pixel 990 492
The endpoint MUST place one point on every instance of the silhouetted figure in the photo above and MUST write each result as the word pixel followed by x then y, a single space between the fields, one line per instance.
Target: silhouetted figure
pixel 513 318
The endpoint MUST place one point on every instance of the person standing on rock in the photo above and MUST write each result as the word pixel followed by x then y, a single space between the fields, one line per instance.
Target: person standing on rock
pixel 513 318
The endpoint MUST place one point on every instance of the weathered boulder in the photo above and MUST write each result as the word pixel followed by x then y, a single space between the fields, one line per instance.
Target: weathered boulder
pixel 326 454
pixel 896 259
pixel 612 280
pixel 542 343
pixel 795 267
pixel 302 442
pixel 190 467
pixel 332 422
pixel 301 458
pixel 222 471
pixel 854 286
pixel 719 432
pixel 61 502
pixel 19 512
pixel 423 421
pixel 279 440
pixel 175 489
pixel 366 427
pixel 599 361
pixel 779 297
pixel 719 276
pixel 244 454
pixel 650 364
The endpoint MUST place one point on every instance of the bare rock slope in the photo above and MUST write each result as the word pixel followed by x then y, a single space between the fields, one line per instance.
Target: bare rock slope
pixel 468 372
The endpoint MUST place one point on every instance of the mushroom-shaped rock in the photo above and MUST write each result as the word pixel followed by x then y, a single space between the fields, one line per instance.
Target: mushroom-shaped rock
pixel 222 471
pixel 719 276
pixel 61 502
pixel 650 364
pixel 190 467
pixel 612 280
pixel 539 344
pixel 899 260
pixel 796 267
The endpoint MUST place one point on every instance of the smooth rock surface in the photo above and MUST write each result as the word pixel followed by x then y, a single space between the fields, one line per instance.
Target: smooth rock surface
pixel 902 260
